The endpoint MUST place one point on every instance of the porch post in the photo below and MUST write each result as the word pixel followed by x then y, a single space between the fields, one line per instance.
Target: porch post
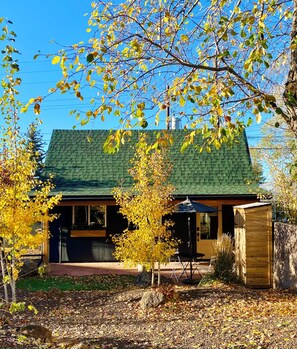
pixel 220 221
pixel 45 228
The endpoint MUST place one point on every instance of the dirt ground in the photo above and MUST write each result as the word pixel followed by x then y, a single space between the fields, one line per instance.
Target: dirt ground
pixel 219 316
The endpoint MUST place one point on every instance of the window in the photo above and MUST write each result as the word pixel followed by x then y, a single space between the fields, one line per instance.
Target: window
pixel 90 216
pixel 209 225
pixel 97 215
pixel 80 215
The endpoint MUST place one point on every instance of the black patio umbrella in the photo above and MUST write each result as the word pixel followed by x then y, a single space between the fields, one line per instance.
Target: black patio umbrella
pixel 189 206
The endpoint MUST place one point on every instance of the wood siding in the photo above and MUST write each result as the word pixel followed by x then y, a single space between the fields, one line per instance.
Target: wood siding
pixel 253 244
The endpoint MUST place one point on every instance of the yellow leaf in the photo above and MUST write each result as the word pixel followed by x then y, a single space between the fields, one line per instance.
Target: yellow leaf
pixel 184 38
pixel 258 118
pixel 56 60
pixel 220 110
pixel 24 109
pixel 182 101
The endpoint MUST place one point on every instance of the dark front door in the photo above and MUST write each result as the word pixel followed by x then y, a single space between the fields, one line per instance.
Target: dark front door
pixel 182 231
pixel 56 229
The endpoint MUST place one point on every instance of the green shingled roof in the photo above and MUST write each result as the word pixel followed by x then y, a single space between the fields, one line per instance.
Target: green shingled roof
pixel 82 169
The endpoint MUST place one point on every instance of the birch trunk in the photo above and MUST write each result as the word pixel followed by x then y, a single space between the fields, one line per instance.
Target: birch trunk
pixel 290 92
pixel 3 272
pixel 13 281
pixel 153 276
pixel 159 273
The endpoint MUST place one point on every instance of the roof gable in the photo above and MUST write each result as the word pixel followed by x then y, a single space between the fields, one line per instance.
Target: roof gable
pixel 81 168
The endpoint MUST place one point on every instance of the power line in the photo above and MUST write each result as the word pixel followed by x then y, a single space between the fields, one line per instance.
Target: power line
pixel 39 82
pixel 269 148
pixel 39 71
pixel 33 61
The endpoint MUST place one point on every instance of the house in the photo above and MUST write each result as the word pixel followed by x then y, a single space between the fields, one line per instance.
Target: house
pixel 86 176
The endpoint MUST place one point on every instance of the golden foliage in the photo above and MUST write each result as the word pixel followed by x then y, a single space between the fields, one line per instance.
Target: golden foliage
pixel 24 199
pixel 144 206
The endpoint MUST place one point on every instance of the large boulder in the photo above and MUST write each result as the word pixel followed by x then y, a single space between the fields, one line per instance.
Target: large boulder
pixel 30 267
pixel 151 299
pixel 37 332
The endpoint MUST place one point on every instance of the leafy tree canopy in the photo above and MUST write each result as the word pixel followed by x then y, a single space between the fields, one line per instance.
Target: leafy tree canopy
pixel 278 153
pixel 212 62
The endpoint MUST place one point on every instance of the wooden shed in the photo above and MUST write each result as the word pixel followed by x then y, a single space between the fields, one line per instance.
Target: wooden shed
pixel 253 244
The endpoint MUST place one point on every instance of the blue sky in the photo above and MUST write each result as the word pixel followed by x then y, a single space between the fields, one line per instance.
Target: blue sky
pixel 37 24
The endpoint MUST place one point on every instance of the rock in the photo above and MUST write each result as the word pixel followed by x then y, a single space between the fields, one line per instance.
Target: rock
pixel 30 267
pixel 151 299
pixel 51 294
pixel 54 293
pixel 37 332
pixel 40 294
pixel 6 318
pixel 68 343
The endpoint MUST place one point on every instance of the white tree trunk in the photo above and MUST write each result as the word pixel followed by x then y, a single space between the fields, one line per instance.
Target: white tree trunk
pixel 153 276
pixel 12 282
pixel 159 273
pixel 3 272
pixel 290 93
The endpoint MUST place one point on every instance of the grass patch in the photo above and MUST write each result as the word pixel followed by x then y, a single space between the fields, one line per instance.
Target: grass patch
pixel 77 283
pixel 210 280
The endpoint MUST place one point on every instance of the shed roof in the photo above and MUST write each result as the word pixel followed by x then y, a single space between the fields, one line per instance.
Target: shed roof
pixel 82 169
pixel 252 205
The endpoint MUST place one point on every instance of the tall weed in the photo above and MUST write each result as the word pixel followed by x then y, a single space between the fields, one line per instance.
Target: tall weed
pixel 224 258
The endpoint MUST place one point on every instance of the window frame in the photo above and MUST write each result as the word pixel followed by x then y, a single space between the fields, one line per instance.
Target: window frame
pixel 88 223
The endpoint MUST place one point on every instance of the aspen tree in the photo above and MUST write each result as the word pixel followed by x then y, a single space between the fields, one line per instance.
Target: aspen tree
pixel 144 206
pixel 24 199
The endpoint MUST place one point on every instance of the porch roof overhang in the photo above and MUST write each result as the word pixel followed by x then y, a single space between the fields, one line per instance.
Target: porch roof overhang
pixel 180 197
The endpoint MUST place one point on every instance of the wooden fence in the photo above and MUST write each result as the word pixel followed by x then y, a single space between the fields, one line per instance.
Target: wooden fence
pixel 285 256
